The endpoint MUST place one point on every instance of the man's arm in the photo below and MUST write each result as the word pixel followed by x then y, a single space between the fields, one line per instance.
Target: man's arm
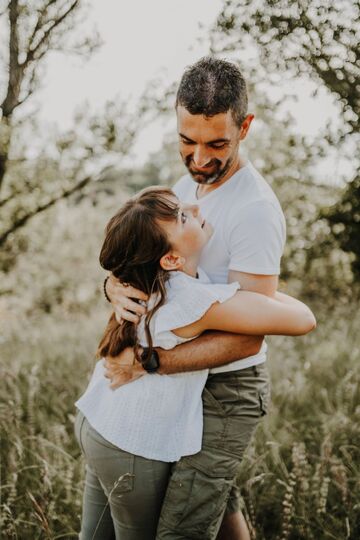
pixel 211 349
pixel 214 349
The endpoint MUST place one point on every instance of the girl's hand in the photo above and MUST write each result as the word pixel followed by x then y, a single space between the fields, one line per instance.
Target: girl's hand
pixel 122 298
pixel 123 369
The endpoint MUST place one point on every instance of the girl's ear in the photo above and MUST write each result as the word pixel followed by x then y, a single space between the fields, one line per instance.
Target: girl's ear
pixel 171 261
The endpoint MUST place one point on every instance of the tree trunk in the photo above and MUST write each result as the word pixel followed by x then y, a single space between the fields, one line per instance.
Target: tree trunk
pixel 5 133
pixel 16 74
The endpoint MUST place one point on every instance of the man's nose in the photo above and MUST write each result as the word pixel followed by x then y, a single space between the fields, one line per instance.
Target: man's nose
pixel 195 210
pixel 201 157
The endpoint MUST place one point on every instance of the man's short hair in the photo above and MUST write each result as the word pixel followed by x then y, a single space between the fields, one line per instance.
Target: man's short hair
pixel 212 86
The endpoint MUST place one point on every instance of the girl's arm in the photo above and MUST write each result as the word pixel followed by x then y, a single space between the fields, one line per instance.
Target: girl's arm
pixel 254 314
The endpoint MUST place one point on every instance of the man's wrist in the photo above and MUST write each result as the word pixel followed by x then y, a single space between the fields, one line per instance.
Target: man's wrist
pixel 150 362
pixel 164 360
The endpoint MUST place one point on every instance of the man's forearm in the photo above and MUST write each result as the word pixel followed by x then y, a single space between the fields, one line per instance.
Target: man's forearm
pixel 211 349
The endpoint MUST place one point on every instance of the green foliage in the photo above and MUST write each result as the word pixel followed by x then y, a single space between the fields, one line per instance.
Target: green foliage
pixel 301 476
pixel 296 37
pixel 40 467
pixel 59 268
pixel 162 168
pixel 74 162
pixel 37 170
pixel 344 220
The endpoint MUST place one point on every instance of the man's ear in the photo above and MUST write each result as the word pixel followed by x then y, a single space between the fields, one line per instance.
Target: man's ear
pixel 171 261
pixel 245 126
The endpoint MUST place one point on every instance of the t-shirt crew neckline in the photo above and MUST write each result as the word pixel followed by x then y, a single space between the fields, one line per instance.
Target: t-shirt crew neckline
pixel 220 188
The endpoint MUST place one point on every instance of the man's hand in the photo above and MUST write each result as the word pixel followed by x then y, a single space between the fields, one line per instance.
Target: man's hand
pixel 122 299
pixel 123 369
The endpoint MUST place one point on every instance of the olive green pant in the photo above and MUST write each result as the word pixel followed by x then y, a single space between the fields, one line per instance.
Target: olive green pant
pixel 126 497
pixel 123 493
pixel 203 487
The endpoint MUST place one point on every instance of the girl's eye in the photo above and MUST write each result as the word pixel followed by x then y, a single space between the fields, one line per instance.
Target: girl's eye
pixel 183 217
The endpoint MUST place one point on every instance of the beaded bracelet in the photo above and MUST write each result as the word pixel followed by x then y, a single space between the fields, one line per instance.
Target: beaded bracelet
pixel 104 289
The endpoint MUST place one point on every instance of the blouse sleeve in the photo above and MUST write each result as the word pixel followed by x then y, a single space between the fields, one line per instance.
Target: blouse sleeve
pixel 188 300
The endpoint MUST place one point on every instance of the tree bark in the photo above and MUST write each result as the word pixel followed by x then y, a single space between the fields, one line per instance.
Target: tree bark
pixel 35 50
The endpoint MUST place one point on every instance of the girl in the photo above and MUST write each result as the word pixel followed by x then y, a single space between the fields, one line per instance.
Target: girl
pixel 131 436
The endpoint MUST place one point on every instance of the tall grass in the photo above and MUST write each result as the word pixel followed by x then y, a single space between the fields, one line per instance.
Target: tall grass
pixel 45 368
pixel 300 478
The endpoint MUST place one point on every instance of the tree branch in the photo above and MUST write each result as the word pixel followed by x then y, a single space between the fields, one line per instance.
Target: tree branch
pixel 40 21
pixel 6 200
pixel 41 208
pixel 15 71
pixel 32 52
pixel 30 90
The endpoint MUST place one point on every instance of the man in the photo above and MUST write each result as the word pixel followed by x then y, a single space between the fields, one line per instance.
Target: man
pixel 202 499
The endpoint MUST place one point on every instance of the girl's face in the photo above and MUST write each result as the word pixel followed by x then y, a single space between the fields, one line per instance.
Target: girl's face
pixel 189 234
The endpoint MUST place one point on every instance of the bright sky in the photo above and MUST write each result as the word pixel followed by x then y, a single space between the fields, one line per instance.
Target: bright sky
pixel 142 40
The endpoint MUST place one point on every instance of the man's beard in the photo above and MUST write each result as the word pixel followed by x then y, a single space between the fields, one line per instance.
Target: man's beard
pixel 209 178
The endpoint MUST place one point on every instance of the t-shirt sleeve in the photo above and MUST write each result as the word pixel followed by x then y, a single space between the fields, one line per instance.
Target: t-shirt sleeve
pixel 189 304
pixel 256 242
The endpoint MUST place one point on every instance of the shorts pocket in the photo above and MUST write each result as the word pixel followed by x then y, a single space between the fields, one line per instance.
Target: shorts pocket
pixel 264 401
pixel 211 404
pixel 194 503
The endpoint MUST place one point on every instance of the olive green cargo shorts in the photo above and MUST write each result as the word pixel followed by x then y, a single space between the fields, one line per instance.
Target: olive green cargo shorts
pixel 202 487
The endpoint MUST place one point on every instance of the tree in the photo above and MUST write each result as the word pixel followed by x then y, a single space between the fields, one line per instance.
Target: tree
pixel 79 163
pixel 66 163
pixel 311 38
pixel 35 29
pixel 344 220
pixel 315 37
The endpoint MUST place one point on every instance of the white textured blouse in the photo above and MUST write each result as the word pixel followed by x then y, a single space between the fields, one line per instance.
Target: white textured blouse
pixel 158 416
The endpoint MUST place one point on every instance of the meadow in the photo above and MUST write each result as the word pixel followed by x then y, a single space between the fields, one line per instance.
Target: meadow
pixel 300 478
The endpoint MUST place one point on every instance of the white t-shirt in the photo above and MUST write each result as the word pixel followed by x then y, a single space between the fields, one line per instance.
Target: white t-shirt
pixel 158 416
pixel 249 232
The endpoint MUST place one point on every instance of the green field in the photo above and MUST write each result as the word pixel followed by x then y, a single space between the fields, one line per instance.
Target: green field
pixel 300 479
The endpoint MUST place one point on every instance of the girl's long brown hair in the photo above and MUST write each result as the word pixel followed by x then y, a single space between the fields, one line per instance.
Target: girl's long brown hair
pixel 133 246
